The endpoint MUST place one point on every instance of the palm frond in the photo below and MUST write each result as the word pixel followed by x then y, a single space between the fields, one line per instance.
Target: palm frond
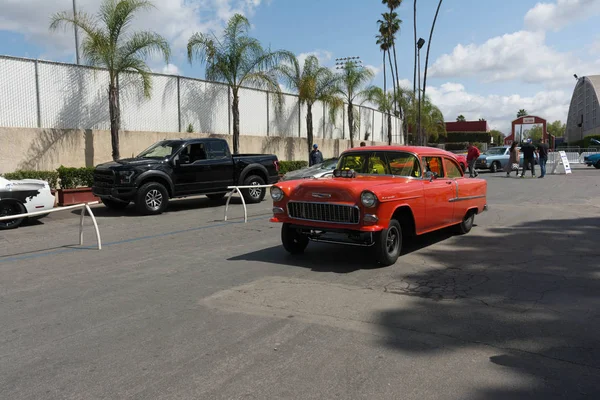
pixel 82 20
pixel 141 69
pixel 144 44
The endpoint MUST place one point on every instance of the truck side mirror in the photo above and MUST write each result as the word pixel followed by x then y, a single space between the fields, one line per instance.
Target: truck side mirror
pixel 184 159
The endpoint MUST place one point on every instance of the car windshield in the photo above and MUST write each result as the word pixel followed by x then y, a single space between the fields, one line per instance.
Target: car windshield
pixel 496 151
pixel 163 149
pixel 381 163
pixel 329 164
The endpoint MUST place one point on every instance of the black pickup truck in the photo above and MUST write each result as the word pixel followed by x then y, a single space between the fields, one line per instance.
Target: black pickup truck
pixel 180 168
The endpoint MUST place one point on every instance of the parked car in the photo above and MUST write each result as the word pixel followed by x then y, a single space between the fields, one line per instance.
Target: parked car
pixel 462 161
pixel 316 171
pixel 180 168
pixel 496 158
pixel 593 159
pixel 377 197
pixel 21 197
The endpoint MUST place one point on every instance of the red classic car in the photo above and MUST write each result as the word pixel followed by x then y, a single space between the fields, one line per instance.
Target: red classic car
pixel 377 196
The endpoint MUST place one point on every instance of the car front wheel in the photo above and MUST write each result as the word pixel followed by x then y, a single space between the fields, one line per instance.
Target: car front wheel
pixel 152 198
pixel 293 241
pixel 11 207
pixel 494 167
pixel 388 244
pixel 597 165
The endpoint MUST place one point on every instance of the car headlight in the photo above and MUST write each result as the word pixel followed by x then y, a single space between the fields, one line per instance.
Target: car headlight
pixel 276 193
pixel 125 176
pixel 368 199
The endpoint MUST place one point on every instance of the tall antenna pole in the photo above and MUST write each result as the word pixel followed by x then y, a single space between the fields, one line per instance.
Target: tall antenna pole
pixel 76 33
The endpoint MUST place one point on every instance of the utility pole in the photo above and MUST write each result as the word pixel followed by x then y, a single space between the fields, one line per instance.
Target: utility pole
pixel 76 33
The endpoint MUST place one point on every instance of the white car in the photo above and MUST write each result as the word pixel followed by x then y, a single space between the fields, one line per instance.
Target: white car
pixel 23 196
pixel 320 170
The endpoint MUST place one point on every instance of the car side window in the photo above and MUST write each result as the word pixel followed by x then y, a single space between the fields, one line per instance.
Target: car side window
pixel 218 150
pixel 434 165
pixel 404 164
pixel 195 151
pixel 452 169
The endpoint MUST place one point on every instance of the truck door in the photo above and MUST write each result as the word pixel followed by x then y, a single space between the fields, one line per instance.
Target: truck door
pixel 221 164
pixel 192 173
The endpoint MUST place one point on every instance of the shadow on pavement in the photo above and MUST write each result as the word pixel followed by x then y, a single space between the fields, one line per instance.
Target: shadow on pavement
pixel 529 293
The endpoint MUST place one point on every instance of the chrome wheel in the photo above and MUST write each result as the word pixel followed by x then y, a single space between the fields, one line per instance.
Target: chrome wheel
pixel 392 240
pixel 154 199
pixel 255 192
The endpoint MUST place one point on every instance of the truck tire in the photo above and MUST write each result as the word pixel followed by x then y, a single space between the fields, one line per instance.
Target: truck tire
pixel 252 196
pixel 216 196
pixel 388 244
pixel 293 242
pixel 115 204
pixel 11 207
pixel 152 199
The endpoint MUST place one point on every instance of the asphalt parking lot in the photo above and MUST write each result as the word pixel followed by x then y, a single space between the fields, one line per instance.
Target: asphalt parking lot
pixel 187 306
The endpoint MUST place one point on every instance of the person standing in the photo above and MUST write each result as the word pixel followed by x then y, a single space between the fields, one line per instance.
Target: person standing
pixel 316 157
pixel 513 160
pixel 542 151
pixel 528 158
pixel 472 156
pixel 362 144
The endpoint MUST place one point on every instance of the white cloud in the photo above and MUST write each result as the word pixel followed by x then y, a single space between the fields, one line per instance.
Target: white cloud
pixel 179 19
pixel 555 16
pixel 453 100
pixel 522 56
pixel 376 70
pixel 170 69
pixel 323 56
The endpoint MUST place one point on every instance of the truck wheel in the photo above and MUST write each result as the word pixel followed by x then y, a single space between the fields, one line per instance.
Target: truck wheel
pixel 466 224
pixel 152 198
pixel 115 204
pixel 257 195
pixel 293 242
pixel 216 196
pixel 11 207
pixel 388 244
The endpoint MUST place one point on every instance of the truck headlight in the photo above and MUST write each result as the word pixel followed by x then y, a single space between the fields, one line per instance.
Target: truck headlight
pixel 276 193
pixel 125 176
pixel 368 199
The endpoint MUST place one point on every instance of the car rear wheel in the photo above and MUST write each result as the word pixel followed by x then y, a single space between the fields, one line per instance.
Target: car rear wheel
pixel 252 195
pixel 467 223
pixel 11 207
pixel 495 167
pixel 388 244
pixel 293 241
pixel 152 198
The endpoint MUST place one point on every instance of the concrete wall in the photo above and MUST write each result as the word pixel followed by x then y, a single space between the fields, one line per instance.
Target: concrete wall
pixel 47 149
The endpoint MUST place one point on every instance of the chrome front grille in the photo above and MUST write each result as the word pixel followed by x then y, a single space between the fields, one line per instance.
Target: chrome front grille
pixel 324 212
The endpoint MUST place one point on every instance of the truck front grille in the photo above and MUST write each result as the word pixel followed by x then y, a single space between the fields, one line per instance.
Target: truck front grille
pixel 324 212
pixel 104 178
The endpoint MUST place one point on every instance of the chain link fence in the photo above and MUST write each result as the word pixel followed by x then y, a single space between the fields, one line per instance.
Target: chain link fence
pixel 44 94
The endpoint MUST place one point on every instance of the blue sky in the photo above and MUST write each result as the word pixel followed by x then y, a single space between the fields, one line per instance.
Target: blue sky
pixel 487 59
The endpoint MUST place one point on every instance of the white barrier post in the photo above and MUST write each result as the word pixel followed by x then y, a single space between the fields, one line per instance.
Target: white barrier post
pixel 237 189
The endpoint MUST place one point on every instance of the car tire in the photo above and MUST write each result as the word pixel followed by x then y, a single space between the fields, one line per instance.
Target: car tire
pixel 463 167
pixel 467 223
pixel 388 244
pixel 216 196
pixel 253 196
pixel 597 165
pixel 11 207
pixel 495 167
pixel 115 204
pixel 293 241
pixel 152 199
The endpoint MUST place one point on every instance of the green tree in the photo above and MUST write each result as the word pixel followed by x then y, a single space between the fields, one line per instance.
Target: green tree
pixel 497 136
pixel 461 118
pixel 432 119
pixel 312 83
pixel 384 46
pixel 393 5
pixel 238 60
pixel 352 88
pixel 384 103
pixel 521 113
pixel 557 128
pixel 388 27
pixel 107 44
pixel 535 133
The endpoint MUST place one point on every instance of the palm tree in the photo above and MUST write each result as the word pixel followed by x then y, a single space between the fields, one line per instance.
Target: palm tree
pixel 522 113
pixel 429 45
pixel 382 41
pixel 106 44
pixel 415 48
pixel 353 79
pixel 461 118
pixel 388 28
pixel 313 83
pixel 405 100
pixel 238 59
pixel 432 120
pixel 383 101
pixel 393 5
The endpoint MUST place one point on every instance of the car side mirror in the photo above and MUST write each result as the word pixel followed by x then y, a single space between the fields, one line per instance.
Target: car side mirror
pixel 184 159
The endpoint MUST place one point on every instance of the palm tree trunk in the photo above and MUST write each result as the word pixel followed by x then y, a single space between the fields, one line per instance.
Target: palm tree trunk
pixel 351 123
pixel 415 47
pixel 428 45
pixel 309 129
pixel 115 118
pixel 393 80
pixel 235 110
pixel 397 78
pixel 384 75
pixel 389 121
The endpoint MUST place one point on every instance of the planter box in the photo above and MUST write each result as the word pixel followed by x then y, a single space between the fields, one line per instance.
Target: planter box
pixel 68 197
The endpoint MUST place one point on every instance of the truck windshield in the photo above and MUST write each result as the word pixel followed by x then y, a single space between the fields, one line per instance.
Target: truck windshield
pixel 394 163
pixel 162 149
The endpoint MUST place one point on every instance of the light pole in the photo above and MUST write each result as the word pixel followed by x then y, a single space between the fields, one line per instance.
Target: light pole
pixel 419 44
pixel 75 29
pixel 341 63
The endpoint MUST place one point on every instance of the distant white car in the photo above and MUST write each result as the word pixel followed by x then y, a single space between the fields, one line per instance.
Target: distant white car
pixel 321 170
pixel 23 196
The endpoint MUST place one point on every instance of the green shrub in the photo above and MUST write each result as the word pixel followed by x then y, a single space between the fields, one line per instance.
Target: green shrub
pixel 50 176
pixel 71 178
pixel 456 146
pixel 288 166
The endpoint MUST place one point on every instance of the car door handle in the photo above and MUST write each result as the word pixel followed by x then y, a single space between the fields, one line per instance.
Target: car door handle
pixel 448 182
